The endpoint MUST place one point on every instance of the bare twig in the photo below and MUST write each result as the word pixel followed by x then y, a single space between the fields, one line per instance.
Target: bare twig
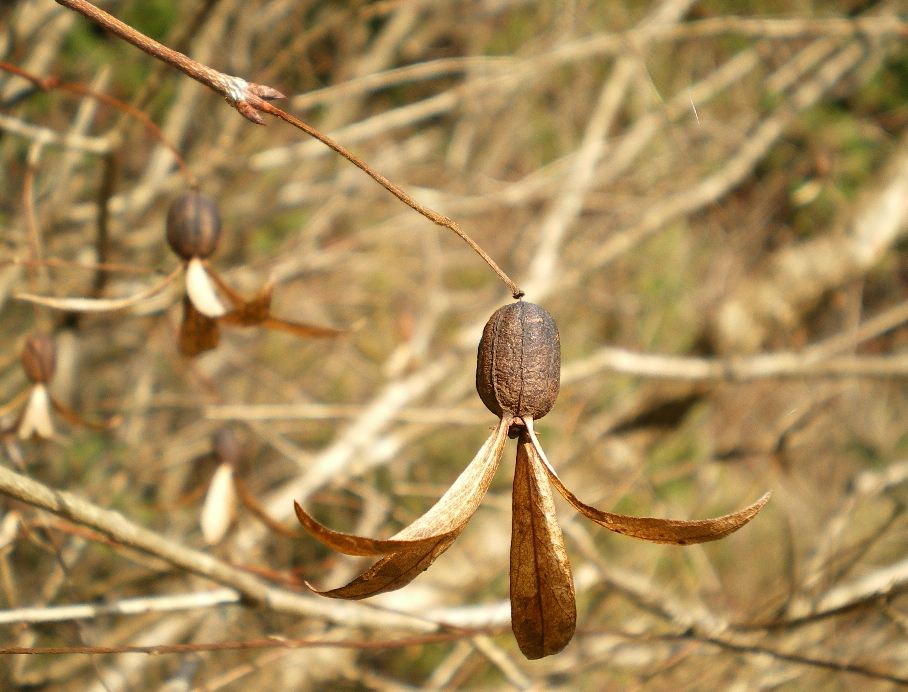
pixel 250 98
pixel 126 606
pixel 253 589
pixel 743 369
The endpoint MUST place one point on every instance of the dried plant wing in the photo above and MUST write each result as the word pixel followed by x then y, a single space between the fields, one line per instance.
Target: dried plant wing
pixel 99 304
pixel 239 303
pixel 257 313
pixel 201 290
pixel 435 530
pixel 670 531
pixel 36 418
pixel 219 507
pixel 76 419
pixel 543 609
pixel 198 333
pixel 250 503
pixel 306 331
pixel 394 571
pixel 348 544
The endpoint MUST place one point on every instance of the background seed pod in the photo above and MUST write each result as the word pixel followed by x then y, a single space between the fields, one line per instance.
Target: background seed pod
pixel 39 358
pixel 518 368
pixel 193 226
pixel 227 446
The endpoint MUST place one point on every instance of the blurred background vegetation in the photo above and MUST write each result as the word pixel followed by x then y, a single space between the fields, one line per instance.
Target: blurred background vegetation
pixel 669 178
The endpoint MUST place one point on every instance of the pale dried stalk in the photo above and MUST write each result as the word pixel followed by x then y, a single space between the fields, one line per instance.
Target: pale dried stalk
pixel 126 533
pixel 741 369
pixel 732 173
pixel 125 606
pixel 798 275
pixel 45 135
pixel 409 414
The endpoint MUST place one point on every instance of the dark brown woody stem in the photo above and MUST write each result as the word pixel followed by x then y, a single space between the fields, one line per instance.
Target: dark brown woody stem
pixel 249 98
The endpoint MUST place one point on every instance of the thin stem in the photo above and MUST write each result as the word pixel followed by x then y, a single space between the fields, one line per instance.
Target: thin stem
pixel 95 266
pixel 271 643
pixel 53 83
pixel 433 216
pixel 249 99
pixel 196 70
pixel 253 589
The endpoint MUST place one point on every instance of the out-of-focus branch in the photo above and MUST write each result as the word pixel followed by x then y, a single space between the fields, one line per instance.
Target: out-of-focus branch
pixel 251 588
pixel 250 99
pixel 797 276
pixel 125 606
pixel 45 135
pixel 740 165
pixel 410 414
pixel 740 369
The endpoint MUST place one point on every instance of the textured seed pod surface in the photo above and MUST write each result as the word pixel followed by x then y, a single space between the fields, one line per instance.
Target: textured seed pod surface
pixel 193 226
pixel 39 358
pixel 518 369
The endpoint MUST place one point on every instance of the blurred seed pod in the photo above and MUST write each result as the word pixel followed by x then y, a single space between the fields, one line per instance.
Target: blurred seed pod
pixel 518 368
pixel 193 226
pixel 227 447
pixel 39 358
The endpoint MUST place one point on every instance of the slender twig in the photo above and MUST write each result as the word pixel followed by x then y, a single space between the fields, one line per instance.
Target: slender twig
pixel 53 83
pixel 411 414
pixel 125 606
pixel 250 99
pixel 45 135
pixel 757 650
pixel 102 266
pixel 782 364
pixel 274 643
pixel 252 589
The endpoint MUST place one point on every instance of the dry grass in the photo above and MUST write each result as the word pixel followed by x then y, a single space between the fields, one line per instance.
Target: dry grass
pixel 666 178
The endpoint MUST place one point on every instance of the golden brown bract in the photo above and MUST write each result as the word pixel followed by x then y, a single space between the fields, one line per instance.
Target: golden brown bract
pixel 39 358
pixel 193 226
pixel 517 377
pixel 518 368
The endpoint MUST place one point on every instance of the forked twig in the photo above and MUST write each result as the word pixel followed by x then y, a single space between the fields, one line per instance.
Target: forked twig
pixel 250 99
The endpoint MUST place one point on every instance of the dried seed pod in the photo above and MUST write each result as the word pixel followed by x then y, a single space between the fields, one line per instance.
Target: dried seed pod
pixel 193 226
pixel 518 369
pixel 39 358
pixel 227 448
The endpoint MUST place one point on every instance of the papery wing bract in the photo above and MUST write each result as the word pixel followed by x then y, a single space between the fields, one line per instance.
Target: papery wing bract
pixel 36 418
pixel 430 535
pixel 670 531
pixel 219 507
pixel 198 333
pixel 543 608
pixel 201 289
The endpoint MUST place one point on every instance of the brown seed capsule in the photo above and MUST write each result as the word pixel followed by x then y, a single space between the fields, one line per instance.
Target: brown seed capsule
pixel 518 369
pixel 193 226
pixel 39 358
pixel 227 447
